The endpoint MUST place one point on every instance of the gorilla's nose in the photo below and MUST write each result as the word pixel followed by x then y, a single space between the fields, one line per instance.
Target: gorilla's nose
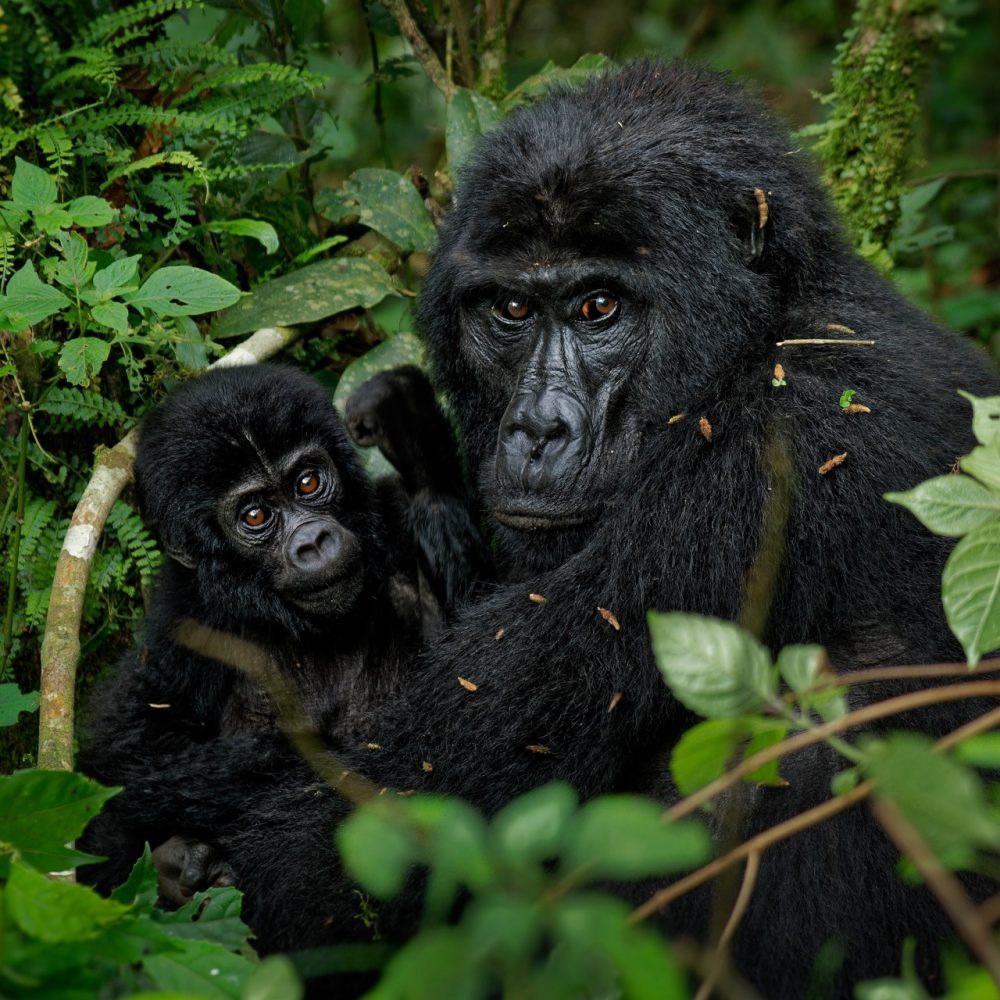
pixel 544 437
pixel 315 545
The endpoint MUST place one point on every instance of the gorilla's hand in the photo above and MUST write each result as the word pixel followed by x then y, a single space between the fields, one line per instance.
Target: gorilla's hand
pixel 396 412
pixel 185 866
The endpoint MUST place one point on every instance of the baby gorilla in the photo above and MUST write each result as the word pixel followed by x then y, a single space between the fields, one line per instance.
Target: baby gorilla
pixel 283 560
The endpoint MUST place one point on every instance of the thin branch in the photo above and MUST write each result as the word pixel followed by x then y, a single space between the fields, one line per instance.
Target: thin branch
pixel 719 961
pixel 879 710
pixel 426 56
pixel 952 896
pixel 914 672
pixel 824 341
pixel 796 824
pixel 61 642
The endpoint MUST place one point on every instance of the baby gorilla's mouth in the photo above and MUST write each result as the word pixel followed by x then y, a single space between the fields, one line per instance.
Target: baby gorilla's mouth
pixel 531 521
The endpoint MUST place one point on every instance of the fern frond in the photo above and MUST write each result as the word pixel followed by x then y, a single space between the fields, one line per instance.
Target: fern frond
pixel 57 148
pixel 98 65
pixel 7 244
pixel 135 540
pixel 213 174
pixel 294 81
pixel 179 157
pixel 38 513
pixel 137 115
pixel 132 16
pixel 174 54
pixel 172 195
pixel 10 139
pixel 73 408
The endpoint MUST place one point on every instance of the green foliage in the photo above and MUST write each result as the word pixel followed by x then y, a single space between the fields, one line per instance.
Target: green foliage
pixel 531 926
pixel 967 506
pixel 60 939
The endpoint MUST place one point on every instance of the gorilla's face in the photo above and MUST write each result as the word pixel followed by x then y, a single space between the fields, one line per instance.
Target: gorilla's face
pixel 563 347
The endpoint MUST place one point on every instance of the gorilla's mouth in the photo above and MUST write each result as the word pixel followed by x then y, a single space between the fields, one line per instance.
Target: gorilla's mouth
pixel 530 521
pixel 336 594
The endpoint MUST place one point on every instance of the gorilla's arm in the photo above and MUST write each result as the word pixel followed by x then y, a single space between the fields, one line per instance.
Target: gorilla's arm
pixel 396 411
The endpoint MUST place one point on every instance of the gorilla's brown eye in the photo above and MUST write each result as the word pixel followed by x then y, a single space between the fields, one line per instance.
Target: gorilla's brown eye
pixel 256 517
pixel 598 307
pixel 308 483
pixel 512 310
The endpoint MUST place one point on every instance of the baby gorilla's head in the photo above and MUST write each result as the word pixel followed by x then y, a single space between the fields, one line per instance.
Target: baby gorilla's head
pixel 248 477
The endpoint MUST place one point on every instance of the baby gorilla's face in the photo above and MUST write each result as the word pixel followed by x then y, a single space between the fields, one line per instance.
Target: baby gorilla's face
pixel 281 516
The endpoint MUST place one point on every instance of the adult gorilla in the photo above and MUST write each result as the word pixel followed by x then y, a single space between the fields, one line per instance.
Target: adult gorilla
pixel 609 265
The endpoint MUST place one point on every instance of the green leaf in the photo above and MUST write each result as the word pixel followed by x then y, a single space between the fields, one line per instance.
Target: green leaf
pixel 706 750
pixel 140 890
pixel 713 667
pixel 970 590
pixel 42 811
pixel 200 969
pixel 950 505
pixel 984 464
pixel 212 915
pixel 183 291
pixel 76 270
pixel 844 781
pixel 119 274
pixel 980 751
pixel 255 229
pixel 274 979
pixel 624 836
pixel 13 703
pixel 307 295
pixel 31 189
pixel 436 963
pixel 469 116
pixel 55 911
pixel 113 315
pixel 29 300
pixel 803 667
pixel 386 202
pixel 985 417
pixel 81 359
pixel 846 396
pixel 378 847
pixel 550 74
pixel 943 799
pixel 54 220
pixel 531 828
pixel 503 926
pixel 90 212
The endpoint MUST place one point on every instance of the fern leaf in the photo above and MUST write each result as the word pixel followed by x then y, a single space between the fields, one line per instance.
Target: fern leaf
pixel 135 540
pixel 76 408
pixel 179 157
pixel 7 244
pixel 132 16
pixel 38 514
pixel 57 148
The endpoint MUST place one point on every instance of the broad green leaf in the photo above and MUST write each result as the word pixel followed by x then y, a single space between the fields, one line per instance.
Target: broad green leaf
pixel 200 969
pixel 469 116
pixel 113 315
pixel 55 911
pixel 942 798
pixel 844 781
pixel 502 925
pixel 802 667
pixel 535 86
pixel 624 836
pixel 13 703
pixel 212 915
pixel 984 464
pixel 190 347
pixel 985 417
pixel 255 229
pixel 183 291
pixel 980 751
pixel 140 890
pixel 90 212
pixel 950 505
pixel 386 202
pixel 81 359
pixel 378 847
pixel 436 964
pixel 307 295
pixel 713 667
pixel 707 750
pixel 970 590
pixel 119 274
pixel 274 979
pixel 31 189
pixel 76 270
pixel 531 828
pixel 29 300
pixel 53 220
pixel 402 349
pixel 42 811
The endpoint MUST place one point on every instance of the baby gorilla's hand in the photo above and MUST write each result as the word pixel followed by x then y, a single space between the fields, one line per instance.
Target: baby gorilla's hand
pixel 185 866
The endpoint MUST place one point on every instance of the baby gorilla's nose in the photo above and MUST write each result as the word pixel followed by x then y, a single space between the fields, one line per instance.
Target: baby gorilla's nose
pixel 315 546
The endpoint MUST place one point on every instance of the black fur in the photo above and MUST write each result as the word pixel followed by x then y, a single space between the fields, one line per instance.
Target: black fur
pixel 644 181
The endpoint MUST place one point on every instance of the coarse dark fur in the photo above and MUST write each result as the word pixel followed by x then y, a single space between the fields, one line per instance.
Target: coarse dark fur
pixel 642 183
pixel 172 723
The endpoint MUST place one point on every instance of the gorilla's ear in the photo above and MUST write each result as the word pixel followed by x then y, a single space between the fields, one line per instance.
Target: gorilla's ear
pixel 749 216
pixel 180 556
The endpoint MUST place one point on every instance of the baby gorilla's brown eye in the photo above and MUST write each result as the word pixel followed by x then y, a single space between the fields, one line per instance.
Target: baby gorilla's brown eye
pixel 512 310
pixel 598 307
pixel 256 517
pixel 307 484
